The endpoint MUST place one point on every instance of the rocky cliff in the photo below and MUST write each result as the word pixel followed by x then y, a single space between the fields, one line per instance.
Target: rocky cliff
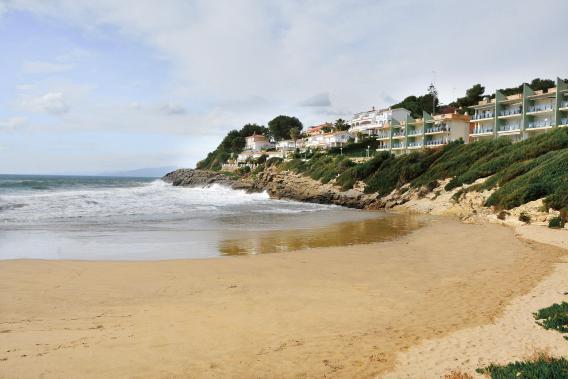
pixel 280 184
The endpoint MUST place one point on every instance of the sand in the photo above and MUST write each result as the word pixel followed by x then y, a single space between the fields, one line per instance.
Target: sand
pixel 330 312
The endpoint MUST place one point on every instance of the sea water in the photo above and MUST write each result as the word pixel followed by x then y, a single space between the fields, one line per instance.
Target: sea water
pixel 108 218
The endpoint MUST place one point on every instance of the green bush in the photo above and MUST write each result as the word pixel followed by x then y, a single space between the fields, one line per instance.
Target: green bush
pixel 554 317
pixel 556 223
pixel 525 217
pixel 541 368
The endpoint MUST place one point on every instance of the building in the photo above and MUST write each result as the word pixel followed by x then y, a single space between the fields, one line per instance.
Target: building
pixel 257 142
pixel 400 137
pixel 371 122
pixel 319 129
pixel 327 140
pixel 248 155
pixel 523 115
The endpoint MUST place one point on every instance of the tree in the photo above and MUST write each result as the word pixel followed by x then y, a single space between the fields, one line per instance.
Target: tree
pixel 294 133
pixel 472 96
pixel 250 129
pixel 341 125
pixel 279 127
pixel 417 105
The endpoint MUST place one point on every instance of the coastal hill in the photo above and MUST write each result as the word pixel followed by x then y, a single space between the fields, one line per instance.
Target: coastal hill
pixel 512 182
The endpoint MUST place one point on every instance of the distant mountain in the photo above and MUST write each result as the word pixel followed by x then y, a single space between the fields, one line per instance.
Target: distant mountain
pixel 150 172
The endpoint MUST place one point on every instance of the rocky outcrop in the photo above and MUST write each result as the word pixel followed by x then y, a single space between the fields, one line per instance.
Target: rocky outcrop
pixel 280 184
pixel 277 183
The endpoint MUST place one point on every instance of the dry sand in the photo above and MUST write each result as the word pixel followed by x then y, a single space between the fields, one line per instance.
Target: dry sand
pixel 330 312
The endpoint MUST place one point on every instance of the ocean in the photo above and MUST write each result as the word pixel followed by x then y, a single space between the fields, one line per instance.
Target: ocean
pixel 110 218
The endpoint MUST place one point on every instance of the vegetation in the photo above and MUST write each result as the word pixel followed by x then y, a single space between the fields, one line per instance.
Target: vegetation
pixel 418 104
pixel 556 223
pixel 554 317
pixel 321 167
pixel 232 145
pixel 281 126
pixel 520 172
pixel 539 368
pixel 525 217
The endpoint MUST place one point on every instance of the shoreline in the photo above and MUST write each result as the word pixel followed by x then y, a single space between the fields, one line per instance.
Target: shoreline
pixel 326 305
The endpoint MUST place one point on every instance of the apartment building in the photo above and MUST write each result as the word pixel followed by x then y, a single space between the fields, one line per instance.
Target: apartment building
pixel 371 122
pixel 327 140
pixel 257 142
pixel 523 115
pixel 401 137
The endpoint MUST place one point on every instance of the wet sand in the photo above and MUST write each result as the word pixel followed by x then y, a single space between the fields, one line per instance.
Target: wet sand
pixel 328 312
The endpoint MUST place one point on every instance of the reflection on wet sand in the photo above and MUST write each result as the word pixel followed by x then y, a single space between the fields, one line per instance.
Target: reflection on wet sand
pixel 341 234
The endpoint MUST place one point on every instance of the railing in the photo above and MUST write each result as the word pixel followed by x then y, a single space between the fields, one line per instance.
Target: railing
pixel 437 129
pixel 415 132
pixel 509 128
pixel 511 112
pixel 482 130
pixel 383 147
pixel 415 144
pixel 397 134
pixel 540 108
pixel 539 124
pixel 483 114
pixel 564 104
pixel 435 142
pixel 383 135
pixel 397 146
pixel 564 121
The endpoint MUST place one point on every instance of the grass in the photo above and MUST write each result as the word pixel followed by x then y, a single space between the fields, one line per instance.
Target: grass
pixel 554 317
pixel 519 173
pixel 542 367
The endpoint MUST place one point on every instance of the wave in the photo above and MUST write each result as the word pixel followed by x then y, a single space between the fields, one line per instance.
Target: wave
pixel 142 202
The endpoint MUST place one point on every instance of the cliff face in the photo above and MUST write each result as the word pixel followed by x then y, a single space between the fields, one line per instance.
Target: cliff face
pixel 437 201
pixel 278 184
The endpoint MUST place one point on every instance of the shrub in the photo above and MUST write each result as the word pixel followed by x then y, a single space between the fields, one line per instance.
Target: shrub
pixel 503 215
pixel 525 217
pixel 542 367
pixel 554 317
pixel 556 222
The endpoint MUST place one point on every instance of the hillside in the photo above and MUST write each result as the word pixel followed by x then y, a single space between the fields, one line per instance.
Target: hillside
pixel 518 173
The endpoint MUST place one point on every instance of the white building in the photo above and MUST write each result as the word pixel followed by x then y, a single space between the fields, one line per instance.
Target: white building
pixel 327 140
pixel 370 122
pixel 257 142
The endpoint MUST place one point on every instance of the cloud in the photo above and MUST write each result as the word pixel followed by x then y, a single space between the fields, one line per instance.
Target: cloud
pixel 43 67
pixel 13 122
pixel 319 100
pixel 52 103
pixel 173 109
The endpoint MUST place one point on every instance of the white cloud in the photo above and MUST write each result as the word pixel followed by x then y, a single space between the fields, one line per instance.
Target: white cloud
pixel 52 102
pixel 43 67
pixel 173 109
pixel 319 100
pixel 13 122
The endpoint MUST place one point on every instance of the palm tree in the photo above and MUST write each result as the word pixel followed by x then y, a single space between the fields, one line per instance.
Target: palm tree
pixel 294 132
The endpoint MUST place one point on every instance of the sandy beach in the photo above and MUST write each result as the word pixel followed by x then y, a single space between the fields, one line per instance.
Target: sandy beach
pixel 344 312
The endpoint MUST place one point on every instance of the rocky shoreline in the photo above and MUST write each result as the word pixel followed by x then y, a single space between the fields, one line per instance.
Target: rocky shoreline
pixel 281 184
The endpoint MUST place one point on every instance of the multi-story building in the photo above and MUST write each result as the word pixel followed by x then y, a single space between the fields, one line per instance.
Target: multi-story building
pixel 319 129
pixel 523 115
pixel 327 140
pixel 371 122
pixel 400 137
pixel 257 142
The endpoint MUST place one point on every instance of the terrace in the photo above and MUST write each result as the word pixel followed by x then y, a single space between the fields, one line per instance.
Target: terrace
pixel 483 115
pixel 414 145
pixel 435 142
pixel 437 129
pixel 540 124
pixel 540 108
pixel 510 128
pixel 480 130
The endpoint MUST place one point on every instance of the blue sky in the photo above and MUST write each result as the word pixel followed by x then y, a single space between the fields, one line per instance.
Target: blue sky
pixel 91 87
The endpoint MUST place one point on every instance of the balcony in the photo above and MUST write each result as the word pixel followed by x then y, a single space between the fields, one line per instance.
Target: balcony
pixel 398 134
pixel 564 122
pixel 383 148
pixel 509 128
pixel 383 136
pixel 436 129
pixel 414 145
pixel 484 115
pixel 397 146
pixel 435 142
pixel 542 124
pixel 564 105
pixel 510 112
pixel 540 108
pixel 480 130
pixel 415 132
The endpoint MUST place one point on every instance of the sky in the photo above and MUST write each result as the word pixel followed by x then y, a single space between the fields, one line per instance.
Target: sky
pixel 107 85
